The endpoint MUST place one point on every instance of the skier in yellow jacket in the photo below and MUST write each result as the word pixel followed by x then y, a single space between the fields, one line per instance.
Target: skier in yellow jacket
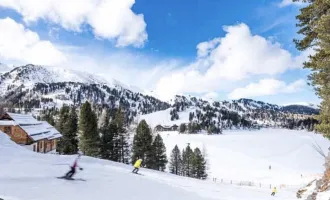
pixel 137 165
pixel 274 191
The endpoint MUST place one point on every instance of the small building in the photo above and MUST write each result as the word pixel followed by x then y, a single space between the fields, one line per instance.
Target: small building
pixel 175 127
pixel 26 130
pixel 166 128
pixel 159 128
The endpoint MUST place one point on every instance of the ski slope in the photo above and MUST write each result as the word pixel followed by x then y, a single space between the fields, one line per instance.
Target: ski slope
pixel 164 118
pixel 26 175
pixel 245 156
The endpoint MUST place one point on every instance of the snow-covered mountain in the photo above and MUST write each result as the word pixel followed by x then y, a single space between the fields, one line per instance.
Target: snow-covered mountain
pixel 32 86
pixel 244 113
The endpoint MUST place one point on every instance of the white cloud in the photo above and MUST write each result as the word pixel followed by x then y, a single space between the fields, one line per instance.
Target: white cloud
pixel 20 44
pixel 266 87
pixel 285 3
pixel 220 65
pixel 204 48
pixel 224 61
pixel 109 19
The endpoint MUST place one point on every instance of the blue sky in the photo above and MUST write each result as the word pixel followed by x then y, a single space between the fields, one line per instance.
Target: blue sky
pixel 208 48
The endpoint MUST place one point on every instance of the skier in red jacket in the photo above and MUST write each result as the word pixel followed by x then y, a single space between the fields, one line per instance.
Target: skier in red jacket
pixel 73 168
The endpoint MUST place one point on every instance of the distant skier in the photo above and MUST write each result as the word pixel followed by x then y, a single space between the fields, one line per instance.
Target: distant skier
pixel 73 168
pixel 137 165
pixel 274 191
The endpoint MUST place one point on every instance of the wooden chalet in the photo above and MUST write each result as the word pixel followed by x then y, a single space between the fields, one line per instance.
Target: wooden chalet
pixel 166 128
pixel 26 130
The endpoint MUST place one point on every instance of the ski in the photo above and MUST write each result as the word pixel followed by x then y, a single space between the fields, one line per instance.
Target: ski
pixel 71 179
pixel 137 174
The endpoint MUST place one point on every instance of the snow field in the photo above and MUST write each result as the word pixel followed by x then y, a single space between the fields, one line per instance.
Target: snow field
pixel 245 156
pixel 26 175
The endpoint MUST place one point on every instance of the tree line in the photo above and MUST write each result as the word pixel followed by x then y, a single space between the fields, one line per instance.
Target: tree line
pixel 188 163
pixel 107 137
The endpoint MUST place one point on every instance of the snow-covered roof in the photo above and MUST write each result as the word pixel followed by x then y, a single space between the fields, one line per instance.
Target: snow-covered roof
pixel 35 129
pixel 42 130
pixel 23 119
pixel 7 123
pixel 52 131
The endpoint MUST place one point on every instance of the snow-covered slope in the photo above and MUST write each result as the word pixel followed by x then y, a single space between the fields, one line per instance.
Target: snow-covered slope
pixel 33 86
pixel 311 105
pixel 246 155
pixel 31 74
pixel 25 175
pixel 244 113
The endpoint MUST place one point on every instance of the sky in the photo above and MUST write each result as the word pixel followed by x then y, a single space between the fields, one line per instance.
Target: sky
pixel 213 49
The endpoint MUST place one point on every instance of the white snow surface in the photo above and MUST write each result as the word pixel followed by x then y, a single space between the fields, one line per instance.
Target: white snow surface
pixel 26 175
pixel 236 155
pixel 164 118
pixel 46 74
pixel 245 156
pixel 42 74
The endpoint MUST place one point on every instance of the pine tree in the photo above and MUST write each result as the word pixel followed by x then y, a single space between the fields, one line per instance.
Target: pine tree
pixel 63 118
pixel 89 136
pixel 176 161
pixel 198 165
pixel 187 158
pixel 183 128
pixel 120 141
pixel 107 133
pixel 159 154
pixel 68 125
pixel 142 144
pixel 72 128
pixel 314 26
pixel 191 116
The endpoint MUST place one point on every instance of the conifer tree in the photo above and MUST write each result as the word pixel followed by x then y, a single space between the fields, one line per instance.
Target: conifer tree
pixel 89 136
pixel 176 161
pixel 314 25
pixel 121 144
pixel 187 158
pixel 107 133
pixel 63 118
pixel 142 144
pixel 72 129
pixel 159 154
pixel 68 126
pixel 182 128
pixel 198 165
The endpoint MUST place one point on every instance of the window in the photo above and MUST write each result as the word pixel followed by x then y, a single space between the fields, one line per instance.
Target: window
pixel 40 144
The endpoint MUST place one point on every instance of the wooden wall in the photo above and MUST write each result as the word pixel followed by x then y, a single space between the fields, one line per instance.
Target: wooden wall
pixel 45 145
pixel 17 134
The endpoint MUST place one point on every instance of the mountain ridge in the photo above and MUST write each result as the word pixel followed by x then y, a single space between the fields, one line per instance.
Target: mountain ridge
pixel 32 86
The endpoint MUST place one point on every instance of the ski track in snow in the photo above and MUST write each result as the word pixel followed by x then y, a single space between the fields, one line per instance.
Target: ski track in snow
pixel 26 175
